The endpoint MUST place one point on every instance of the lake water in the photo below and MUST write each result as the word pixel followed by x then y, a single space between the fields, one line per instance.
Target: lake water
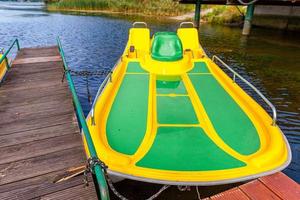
pixel 270 59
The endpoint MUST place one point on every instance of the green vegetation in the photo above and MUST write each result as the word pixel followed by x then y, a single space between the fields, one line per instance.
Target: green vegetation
pixel 211 14
pixel 144 7
pixel 224 14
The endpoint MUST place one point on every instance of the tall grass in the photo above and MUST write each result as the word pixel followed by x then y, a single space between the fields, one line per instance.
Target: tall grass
pixel 147 7
pixel 225 14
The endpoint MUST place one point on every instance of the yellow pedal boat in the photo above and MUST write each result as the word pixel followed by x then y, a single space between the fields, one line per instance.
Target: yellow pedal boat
pixel 3 69
pixel 168 114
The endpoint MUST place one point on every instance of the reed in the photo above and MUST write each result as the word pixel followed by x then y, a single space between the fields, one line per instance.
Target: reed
pixel 146 7
pixel 224 14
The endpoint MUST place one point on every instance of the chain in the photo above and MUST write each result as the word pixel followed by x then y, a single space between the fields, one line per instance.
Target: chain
pixel 92 162
pixel 183 188
pixel 120 196
pixel 90 165
pixel 86 73
pixel 89 73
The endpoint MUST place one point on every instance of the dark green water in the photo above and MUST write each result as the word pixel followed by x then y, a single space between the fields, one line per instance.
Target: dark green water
pixel 269 59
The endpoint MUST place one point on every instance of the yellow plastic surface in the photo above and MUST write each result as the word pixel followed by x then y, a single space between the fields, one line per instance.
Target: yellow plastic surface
pixel 2 69
pixel 273 152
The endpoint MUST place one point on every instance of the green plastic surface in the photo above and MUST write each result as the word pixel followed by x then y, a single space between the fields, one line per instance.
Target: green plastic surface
pixel 166 46
pixel 186 149
pixel 127 120
pixel 200 67
pixel 175 110
pixel 135 67
pixel 170 87
pixel 229 120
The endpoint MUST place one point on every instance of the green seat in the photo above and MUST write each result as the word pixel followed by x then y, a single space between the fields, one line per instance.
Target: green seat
pixel 166 46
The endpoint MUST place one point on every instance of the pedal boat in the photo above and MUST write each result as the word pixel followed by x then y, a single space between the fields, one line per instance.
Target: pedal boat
pixel 168 114
pixel 3 69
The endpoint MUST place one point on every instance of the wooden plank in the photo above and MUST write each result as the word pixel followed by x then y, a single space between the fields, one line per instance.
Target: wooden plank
pixel 257 191
pixel 75 193
pixel 18 92
pixel 35 71
pixel 36 166
pixel 43 121
pixel 42 147
pixel 39 186
pixel 31 100
pixel 34 81
pixel 33 67
pixel 37 52
pixel 282 185
pixel 232 194
pixel 37 134
pixel 37 60
pixel 29 112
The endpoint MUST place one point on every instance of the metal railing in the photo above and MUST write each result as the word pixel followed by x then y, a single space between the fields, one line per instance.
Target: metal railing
pixel 139 23
pixel 97 169
pixel 235 74
pixel 186 23
pixel 4 56
pixel 102 86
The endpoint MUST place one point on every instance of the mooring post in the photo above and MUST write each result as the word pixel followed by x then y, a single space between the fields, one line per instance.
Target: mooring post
pixel 248 19
pixel 197 13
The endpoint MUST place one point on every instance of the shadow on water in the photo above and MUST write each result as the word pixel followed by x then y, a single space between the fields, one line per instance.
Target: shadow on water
pixel 268 58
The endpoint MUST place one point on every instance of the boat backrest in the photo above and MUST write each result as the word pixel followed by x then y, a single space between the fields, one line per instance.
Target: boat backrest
pixel 190 41
pixel 139 38
pixel 189 38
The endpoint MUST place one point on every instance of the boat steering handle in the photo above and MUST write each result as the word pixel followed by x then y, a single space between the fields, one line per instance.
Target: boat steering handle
pixel 139 23
pixel 186 23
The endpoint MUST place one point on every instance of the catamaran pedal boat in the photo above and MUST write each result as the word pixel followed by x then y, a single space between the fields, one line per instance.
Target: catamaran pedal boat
pixel 168 114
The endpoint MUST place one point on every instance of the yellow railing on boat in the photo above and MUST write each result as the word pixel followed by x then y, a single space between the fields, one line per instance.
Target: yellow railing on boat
pixel 4 62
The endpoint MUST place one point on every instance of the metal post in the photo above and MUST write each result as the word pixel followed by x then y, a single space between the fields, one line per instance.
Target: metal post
pixel 18 44
pixel 98 170
pixel 248 19
pixel 197 13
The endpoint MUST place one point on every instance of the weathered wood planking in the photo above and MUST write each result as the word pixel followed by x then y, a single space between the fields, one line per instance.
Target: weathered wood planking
pixel 232 194
pixel 282 185
pixel 275 186
pixel 39 137
pixel 37 60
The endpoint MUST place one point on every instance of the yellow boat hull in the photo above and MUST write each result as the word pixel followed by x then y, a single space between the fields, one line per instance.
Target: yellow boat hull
pixel 162 122
pixel 3 69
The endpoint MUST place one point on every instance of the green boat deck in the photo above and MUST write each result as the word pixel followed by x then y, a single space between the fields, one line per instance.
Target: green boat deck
pixel 177 145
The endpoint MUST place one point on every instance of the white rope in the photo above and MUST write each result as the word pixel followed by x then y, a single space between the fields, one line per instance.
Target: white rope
pixel 247 4
pixel 198 193
pixel 158 193
pixel 120 196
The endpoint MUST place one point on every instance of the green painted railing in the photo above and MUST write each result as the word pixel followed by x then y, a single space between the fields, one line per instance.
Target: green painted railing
pixel 4 56
pixel 98 170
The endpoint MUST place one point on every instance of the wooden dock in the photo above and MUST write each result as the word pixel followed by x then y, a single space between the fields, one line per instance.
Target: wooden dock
pixel 276 187
pixel 39 136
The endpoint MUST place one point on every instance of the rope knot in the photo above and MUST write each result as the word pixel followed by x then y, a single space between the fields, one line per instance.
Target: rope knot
pixel 90 166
